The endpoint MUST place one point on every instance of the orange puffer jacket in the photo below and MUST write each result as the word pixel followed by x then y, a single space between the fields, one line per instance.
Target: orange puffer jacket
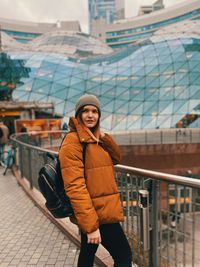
pixel 95 199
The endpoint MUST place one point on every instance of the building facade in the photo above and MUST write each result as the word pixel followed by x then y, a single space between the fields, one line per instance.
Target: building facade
pixel 24 31
pixel 106 10
pixel 151 8
pixel 155 83
pixel 125 32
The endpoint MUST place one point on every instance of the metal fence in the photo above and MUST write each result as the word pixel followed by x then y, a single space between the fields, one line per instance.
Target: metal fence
pixel 158 136
pixel 162 211
pixel 174 217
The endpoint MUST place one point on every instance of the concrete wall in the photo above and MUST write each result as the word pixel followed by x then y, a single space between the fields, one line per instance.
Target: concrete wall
pixel 171 158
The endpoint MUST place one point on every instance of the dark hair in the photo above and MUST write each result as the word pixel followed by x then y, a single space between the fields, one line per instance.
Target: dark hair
pixel 80 111
pixel 79 115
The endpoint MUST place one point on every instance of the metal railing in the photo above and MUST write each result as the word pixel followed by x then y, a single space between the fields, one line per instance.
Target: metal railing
pixel 174 228
pixel 158 136
pixel 162 211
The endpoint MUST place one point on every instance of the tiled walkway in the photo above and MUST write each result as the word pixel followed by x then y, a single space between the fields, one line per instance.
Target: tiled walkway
pixel 27 237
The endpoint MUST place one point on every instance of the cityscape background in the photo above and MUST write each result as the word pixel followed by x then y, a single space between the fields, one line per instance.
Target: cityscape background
pixel 50 11
pixel 142 60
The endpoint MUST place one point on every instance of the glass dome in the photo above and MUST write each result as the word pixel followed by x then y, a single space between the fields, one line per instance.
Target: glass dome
pixel 154 83
pixel 68 43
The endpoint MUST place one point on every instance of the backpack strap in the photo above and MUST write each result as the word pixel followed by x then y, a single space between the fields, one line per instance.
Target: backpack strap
pixel 84 146
pixel 62 140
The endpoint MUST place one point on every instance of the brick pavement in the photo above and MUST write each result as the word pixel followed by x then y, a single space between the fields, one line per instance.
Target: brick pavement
pixel 27 236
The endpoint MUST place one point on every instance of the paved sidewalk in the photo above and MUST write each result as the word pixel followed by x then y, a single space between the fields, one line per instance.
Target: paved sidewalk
pixel 27 236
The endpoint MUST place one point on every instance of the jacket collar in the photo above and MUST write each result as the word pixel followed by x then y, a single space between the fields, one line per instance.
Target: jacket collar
pixel 84 133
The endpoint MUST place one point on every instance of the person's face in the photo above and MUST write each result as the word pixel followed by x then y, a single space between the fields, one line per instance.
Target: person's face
pixel 90 116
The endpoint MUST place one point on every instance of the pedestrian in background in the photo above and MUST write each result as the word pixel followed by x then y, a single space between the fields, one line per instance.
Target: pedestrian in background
pixel 23 128
pixel 90 185
pixel 64 126
pixel 4 134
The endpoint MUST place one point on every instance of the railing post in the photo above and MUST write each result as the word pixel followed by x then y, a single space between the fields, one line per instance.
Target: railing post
pixel 177 133
pixel 153 255
pixel 161 137
pixel 21 161
pixel 144 218
pixel 30 168
pixel 146 137
pixel 14 155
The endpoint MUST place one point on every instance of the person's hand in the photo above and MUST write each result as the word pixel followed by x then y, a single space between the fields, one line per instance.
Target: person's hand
pixel 102 134
pixel 94 237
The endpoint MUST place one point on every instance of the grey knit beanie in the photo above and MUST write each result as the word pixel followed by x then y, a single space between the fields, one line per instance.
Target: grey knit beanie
pixel 87 100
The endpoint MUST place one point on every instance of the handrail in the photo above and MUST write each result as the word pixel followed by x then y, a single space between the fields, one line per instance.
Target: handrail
pixel 149 209
pixel 14 139
pixel 158 136
pixel 181 180
pixel 34 147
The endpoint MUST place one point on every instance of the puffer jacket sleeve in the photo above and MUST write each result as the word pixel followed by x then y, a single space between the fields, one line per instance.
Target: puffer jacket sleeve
pixel 72 168
pixel 112 148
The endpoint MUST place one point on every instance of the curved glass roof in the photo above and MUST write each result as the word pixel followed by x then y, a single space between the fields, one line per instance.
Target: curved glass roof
pixel 8 43
pixel 68 43
pixel 152 84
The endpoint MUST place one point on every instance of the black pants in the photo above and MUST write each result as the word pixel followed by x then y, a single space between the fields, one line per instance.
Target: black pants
pixel 114 240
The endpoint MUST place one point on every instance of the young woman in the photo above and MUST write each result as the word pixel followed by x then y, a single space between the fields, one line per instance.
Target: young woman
pixel 90 185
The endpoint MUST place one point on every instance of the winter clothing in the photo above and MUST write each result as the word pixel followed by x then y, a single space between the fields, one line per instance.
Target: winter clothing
pixel 114 240
pixel 95 198
pixel 87 100
pixel 5 131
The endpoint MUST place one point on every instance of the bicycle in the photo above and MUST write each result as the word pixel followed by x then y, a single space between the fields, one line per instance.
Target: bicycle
pixel 7 158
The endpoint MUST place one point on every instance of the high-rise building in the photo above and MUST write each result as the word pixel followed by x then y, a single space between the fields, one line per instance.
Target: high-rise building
pixel 151 8
pixel 120 9
pixel 128 31
pixel 107 10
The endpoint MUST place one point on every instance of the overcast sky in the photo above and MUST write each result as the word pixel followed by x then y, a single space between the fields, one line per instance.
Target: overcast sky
pixel 53 10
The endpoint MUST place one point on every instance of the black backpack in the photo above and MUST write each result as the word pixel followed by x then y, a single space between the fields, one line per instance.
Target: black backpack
pixel 52 187
pixel 1 132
